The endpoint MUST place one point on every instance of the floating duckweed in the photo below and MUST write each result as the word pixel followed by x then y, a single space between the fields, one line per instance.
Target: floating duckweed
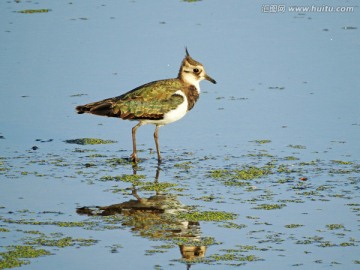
pixel 269 206
pixel 61 243
pixel 154 251
pixel 297 146
pixel 91 141
pixel 233 225
pixel 233 257
pixel 15 256
pixel 347 244
pixel 231 177
pixel 115 248
pixel 208 216
pixel 149 186
pixel 291 158
pixel 129 178
pixel 117 161
pixel 341 162
pixel 31 11
pixel 185 165
pixel 335 226
pixel 262 141
pixel 293 226
pixel 326 244
pixel 310 163
pixel 54 223
pixel 202 241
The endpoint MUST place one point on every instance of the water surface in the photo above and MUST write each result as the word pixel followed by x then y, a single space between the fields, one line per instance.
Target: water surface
pixel 262 173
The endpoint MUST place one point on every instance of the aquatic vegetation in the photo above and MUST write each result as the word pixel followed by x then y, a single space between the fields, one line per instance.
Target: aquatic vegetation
pixel 293 226
pixel 233 257
pixel 128 178
pixel 297 146
pixel 53 223
pixel 207 216
pixel 31 11
pixel 202 241
pixel 233 177
pixel 266 182
pixel 262 141
pixel 87 141
pixel 232 225
pixel 113 162
pixel 115 248
pixel 335 226
pixel 151 186
pixel 269 206
pixel 184 165
pixel 341 162
pixel 16 256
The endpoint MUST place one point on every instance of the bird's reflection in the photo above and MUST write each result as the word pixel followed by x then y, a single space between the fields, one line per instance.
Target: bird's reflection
pixel 156 217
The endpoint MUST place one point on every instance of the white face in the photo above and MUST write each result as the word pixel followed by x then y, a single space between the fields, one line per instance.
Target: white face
pixel 193 74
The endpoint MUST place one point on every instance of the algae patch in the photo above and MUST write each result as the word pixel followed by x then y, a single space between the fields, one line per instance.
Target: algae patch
pixel 208 216
pixel 16 256
pixel 269 206
pixel 87 141
pixel 239 177
pixel 32 11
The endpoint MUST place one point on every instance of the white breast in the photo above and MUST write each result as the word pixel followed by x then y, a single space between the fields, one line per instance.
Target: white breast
pixel 173 115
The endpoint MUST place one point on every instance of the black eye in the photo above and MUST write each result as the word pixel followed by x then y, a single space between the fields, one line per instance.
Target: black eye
pixel 196 70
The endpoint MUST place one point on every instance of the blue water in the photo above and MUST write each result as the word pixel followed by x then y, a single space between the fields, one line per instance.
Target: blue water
pixel 289 77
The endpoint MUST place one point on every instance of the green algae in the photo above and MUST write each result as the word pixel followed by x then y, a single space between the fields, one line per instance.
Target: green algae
pixel 134 179
pixel 335 226
pixel 59 242
pixel 296 146
pixel 184 165
pixel 32 11
pixel 114 162
pixel 341 162
pixel 233 225
pixel 269 206
pixel 293 226
pixel 262 141
pixel 291 158
pixel 89 141
pixel 281 185
pixel 68 224
pixel 16 256
pixel 202 241
pixel 207 216
pixel 235 177
pixel 233 257
pixel 163 186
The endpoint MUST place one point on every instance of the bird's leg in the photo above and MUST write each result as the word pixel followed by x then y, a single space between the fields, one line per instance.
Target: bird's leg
pixel 156 137
pixel 133 155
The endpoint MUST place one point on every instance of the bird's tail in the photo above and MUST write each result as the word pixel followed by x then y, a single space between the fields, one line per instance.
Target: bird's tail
pixel 103 108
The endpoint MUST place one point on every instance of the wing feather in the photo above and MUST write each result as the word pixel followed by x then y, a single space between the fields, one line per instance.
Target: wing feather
pixel 149 101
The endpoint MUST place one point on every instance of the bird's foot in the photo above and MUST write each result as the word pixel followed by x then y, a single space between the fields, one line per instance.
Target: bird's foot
pixel 134 157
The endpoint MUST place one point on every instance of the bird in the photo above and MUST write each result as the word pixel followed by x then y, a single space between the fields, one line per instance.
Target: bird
pixel 158 102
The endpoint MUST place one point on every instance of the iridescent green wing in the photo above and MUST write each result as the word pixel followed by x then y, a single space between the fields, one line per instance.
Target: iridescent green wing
pixel 150 101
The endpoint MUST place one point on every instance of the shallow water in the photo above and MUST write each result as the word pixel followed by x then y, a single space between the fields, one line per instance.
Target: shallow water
pixel 265 171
